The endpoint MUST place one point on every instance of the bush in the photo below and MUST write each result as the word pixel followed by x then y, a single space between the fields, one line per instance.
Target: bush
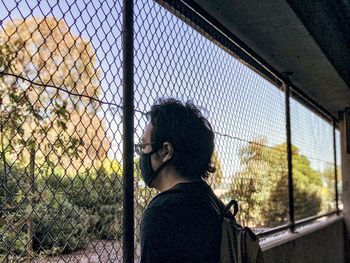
pixel 59 226
pixel 13 243
pixel 100 195
pixel 13 184
pixel 13 233
pixel 65 210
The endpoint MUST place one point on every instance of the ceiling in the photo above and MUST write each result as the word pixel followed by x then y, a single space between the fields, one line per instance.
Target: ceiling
pixel 310 39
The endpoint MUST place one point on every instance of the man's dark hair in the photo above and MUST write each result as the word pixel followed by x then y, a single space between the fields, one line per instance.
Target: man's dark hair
pixel 190 134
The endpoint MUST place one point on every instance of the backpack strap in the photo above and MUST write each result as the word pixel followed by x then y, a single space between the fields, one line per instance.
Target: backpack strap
pixel 229 205
pixel 226 210
pixel 215 205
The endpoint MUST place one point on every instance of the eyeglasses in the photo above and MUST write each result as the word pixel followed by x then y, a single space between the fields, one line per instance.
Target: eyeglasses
pixel 139 147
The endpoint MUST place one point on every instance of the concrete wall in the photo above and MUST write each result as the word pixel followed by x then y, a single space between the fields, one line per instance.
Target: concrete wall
pixel 322 243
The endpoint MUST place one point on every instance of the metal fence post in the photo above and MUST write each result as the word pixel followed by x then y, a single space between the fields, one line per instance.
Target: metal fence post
pixel 335 168
pixel 128 131
pixel 289 158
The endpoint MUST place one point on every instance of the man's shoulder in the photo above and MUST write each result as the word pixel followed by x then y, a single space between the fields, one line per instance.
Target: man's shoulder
pixel 166 200
pixel 181 198
pixel 162 210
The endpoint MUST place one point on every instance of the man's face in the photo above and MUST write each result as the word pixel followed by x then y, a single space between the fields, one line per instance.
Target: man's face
pixel 147 148
pixel 157 158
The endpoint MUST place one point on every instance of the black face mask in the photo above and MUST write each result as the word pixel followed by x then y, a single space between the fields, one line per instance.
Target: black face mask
pixel 147 172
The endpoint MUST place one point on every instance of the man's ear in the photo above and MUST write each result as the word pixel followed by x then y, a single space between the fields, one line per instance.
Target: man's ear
pixel 167 151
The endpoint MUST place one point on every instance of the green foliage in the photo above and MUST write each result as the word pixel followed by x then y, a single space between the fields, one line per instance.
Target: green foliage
pixel 13 185
pixel 66 133
pixel 261 186
pixel 100 195
pixel 307 185
pixel 13 244
pixel 64 211
pixel 328 180
pixel 59 226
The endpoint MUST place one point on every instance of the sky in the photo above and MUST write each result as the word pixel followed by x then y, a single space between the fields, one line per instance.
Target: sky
pixel 174 60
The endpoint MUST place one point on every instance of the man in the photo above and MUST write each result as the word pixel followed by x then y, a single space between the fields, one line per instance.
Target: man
pixel 180 224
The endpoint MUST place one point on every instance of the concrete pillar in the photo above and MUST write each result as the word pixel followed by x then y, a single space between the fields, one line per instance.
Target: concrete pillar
pixel 345 167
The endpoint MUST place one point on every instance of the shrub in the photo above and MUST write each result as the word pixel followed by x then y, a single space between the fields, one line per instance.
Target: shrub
pixel 13 204
pixel 100 195
pixel 13 244
pixel 65 210
pixel 59 226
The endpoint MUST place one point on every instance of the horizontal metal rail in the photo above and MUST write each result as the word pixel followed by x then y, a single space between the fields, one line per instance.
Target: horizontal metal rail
pixel 296 224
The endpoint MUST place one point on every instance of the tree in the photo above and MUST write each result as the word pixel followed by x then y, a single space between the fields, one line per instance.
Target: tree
pixel 309 190
pixel 49 91
pixel 261 186
pixel 250 185
pixel 60 116
pixel 328 181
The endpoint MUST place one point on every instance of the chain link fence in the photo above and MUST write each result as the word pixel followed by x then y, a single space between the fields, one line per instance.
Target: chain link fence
pixel 313 162
pixel 61 182
pixel 61 72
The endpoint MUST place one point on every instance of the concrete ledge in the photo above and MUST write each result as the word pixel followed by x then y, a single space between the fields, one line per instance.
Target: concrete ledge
pixel 320 242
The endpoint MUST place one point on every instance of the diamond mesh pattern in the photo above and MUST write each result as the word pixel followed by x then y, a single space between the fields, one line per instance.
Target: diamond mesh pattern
pixel 61 126
pixel 313 162
pixel 61 183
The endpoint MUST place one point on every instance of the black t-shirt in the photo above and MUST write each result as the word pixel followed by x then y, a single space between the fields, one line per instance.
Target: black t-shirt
pixel 181 225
